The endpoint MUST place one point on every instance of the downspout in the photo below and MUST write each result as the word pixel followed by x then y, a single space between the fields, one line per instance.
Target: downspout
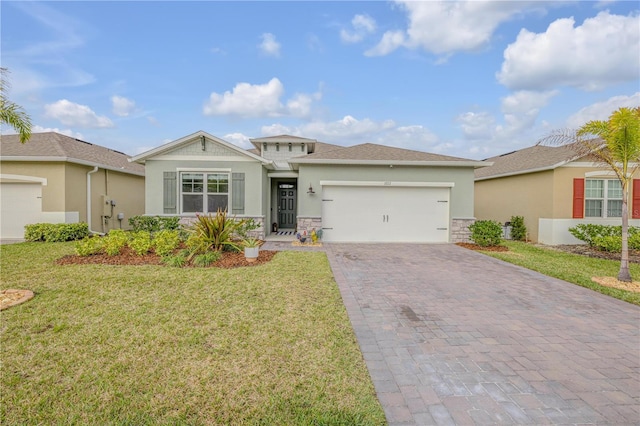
pixel 95 169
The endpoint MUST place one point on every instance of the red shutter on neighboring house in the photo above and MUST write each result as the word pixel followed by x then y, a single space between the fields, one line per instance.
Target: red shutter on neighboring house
pixel 578 198
pixel 635 200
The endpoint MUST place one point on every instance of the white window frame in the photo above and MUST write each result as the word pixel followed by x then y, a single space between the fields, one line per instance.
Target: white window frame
pixel 605 197
pixel 204 173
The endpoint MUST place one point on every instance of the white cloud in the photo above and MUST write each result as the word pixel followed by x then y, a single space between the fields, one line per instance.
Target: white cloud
pixel 259 100
pixel 601 52
pixel 516 129
pixel 602 110
pixel 238 139
pixel 445 27
pixel 72 114
pixel 349 131
pixel 41 129
pixel 362 25
pixel 122 106
pixel 269 45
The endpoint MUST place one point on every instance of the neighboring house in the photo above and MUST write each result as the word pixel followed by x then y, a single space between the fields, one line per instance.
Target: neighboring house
pixel 554 189
pixel 51 177
pixel 361 193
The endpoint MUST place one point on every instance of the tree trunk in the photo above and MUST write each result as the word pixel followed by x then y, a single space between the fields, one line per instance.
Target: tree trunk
pixel 624 274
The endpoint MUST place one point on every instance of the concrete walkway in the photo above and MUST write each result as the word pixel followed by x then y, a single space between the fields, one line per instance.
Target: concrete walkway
pixel 451 336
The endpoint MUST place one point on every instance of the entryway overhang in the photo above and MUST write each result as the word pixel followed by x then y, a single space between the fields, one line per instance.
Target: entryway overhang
pixel 283 174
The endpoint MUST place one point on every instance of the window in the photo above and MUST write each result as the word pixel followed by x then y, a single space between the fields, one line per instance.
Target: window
pixel 204 192
pixel 603 198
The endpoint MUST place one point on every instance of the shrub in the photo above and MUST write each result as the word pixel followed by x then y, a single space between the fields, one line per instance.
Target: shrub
pixel 140 242
pixel 244 227
pixel 207 258
pixel 176 261
pixel 588 232
pixel 88 246
pixel 518 228
pixel 166 241
pixel 115 241
pixel 56 232
pixel 35 232
pixel 216 232
pixel 486 233
pixel 612 243
pixel 154 223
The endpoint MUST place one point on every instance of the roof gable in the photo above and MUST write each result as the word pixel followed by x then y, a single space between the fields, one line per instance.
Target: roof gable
pixel 192 146
pixel 51 146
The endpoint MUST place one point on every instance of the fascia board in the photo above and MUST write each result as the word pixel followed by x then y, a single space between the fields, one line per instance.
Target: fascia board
pixel 70 160
pixel 471 163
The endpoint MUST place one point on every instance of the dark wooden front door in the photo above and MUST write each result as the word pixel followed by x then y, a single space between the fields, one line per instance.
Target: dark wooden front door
pixel 286 205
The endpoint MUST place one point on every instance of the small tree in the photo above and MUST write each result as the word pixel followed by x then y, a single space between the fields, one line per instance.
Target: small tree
pixel 616 144
pixel 11 113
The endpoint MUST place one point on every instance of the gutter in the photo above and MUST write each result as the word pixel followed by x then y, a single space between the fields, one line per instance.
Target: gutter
pixel 89 173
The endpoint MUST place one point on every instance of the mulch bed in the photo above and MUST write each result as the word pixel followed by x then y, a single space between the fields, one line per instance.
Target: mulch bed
pixel 129 257
pixel 585 250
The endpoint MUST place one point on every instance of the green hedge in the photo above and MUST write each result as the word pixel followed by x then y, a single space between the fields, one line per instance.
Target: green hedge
pixel 56 232
pixel 606 237
pixel 154 223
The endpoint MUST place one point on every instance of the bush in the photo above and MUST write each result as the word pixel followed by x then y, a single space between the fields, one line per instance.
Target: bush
pixel 140 242
pixel 588 232
pixel 115 241
pixel 216 232
pixel 486 233
pixel 89 246
pixel 35 232
pixel 606 237
pixel 154 223
pixel 518 229
pixel 56 232
pixel 166 241
pixel 244 227
pixel 177 261
pixel 207 258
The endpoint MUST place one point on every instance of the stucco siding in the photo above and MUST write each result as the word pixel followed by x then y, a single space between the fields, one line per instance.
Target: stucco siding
pixel 53 194
pixel 254 181
pixel 310 205
pixel 530 196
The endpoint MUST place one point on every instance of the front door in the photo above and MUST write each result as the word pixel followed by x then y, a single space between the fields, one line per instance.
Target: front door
pixel 286 205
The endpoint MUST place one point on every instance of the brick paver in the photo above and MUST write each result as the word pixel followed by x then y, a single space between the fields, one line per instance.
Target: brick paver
pixel 451 336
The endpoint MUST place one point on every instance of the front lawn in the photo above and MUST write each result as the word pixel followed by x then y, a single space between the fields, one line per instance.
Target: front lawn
pixel 570 267
pixel 104 344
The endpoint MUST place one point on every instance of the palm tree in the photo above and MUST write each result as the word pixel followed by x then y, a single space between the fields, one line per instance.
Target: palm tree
pixel 11 113
pixel 614 143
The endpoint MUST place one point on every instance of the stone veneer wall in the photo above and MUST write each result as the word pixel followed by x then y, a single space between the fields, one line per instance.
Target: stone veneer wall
pixel 460 230
pixel 257 233
pixel 307 223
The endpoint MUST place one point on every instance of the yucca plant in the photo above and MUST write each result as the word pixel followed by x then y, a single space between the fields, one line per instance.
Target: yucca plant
pixel 216 231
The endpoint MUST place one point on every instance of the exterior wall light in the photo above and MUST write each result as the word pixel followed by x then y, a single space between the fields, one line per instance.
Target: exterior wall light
pixel 311 191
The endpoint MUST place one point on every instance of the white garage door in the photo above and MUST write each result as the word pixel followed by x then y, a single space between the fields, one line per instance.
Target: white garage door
pixel 385 212
pixel 20 205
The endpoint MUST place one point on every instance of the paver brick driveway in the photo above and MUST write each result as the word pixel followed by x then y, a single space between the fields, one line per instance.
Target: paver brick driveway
pixel 451 336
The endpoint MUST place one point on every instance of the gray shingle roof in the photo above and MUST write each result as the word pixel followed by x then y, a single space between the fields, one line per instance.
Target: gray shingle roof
pixel 535 158
pixel 374 152
pixel 59 147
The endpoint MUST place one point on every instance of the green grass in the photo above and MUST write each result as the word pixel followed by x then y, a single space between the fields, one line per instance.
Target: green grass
pixel 98 344
pixel 570 267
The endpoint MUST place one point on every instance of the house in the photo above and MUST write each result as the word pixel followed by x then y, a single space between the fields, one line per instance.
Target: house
pixel 58 179
pixel 554 189
pixel 361 193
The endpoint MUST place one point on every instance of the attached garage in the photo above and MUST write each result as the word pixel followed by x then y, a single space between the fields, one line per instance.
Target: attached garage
pixel 354 211
pixel 20 204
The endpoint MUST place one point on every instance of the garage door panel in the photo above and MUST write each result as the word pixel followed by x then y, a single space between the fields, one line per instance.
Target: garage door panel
pixel 20 205
pixel 385 214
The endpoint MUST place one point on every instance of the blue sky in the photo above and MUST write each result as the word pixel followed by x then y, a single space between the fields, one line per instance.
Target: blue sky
pixel 468 79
